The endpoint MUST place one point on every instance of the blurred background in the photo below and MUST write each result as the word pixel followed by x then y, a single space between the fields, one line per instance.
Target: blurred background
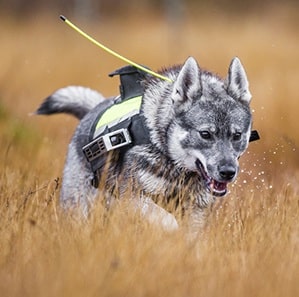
pixel 40 54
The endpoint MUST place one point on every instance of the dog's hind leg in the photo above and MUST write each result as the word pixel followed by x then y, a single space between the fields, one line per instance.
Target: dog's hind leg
pixel 77 190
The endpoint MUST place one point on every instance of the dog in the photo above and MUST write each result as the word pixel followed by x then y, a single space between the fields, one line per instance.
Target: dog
pixel 197 125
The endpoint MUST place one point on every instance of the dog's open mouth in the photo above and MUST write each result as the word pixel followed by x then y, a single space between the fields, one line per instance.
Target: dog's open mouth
pixel 215 187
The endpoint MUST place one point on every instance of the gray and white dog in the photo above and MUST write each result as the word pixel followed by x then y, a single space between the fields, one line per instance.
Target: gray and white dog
pixel 199 125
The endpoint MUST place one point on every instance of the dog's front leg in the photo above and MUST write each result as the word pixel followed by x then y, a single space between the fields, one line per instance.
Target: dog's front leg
pixel 155 214
pixel 194 221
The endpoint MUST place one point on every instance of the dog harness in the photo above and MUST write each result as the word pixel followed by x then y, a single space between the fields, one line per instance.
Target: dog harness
pixel 121 125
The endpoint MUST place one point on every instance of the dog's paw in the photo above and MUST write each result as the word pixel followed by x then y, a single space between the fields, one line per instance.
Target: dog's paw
pixel 157 215
pixel 169 222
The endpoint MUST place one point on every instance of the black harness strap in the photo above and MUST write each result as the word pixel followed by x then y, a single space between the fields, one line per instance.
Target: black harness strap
pixel 138 135
pixel 254 136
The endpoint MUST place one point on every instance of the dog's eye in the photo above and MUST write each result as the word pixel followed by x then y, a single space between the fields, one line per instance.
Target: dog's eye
pixel 205 135
pixel 237 136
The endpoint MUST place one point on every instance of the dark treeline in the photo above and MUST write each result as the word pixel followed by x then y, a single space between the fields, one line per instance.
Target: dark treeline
pixel 97 8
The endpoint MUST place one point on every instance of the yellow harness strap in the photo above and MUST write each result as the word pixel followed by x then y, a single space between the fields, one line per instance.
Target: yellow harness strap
pixel 119 110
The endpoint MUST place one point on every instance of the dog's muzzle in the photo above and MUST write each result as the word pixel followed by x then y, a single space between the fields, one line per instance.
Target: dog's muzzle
pixel 217 188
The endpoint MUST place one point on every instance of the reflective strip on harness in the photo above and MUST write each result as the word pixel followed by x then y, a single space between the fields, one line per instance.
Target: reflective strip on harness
pixel 119 110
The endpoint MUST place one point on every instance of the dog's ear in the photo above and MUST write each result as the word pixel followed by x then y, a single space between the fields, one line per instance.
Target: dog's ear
pixel 187 86
pixel 237 83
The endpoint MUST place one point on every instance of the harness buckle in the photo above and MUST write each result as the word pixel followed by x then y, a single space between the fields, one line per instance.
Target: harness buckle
pixel 116 139
pixel 106 143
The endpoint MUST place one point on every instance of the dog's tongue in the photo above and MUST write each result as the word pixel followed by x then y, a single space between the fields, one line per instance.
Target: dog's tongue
pixel 215 187
pixel 218 188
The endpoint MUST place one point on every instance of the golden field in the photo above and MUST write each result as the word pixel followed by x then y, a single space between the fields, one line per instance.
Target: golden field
pixel 250 246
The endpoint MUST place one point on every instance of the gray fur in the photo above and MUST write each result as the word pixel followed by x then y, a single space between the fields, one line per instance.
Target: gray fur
pixel 74 100
pixel 199 126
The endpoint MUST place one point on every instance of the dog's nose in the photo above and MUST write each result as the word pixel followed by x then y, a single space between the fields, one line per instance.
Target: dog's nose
pixel 227 172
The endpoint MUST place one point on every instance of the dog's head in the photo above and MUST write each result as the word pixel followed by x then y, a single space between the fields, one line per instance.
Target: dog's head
pixel 211 123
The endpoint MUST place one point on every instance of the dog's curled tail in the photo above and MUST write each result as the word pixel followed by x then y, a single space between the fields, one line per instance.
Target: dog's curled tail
pixel 74 100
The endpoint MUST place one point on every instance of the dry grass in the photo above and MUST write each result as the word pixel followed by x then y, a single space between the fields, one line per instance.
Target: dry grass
pixel 251 244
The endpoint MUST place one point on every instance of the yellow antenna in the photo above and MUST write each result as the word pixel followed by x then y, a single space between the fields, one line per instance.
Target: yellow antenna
pixel 112 52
